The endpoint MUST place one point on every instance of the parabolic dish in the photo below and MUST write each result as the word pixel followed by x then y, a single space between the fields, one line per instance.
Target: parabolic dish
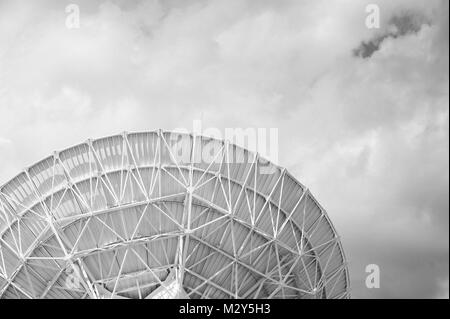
pixel 127 216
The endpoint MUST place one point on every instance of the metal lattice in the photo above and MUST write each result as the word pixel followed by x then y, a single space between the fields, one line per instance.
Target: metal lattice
pixel 126 217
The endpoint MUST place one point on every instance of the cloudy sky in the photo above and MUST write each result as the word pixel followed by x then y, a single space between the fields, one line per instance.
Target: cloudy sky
pixel 362 114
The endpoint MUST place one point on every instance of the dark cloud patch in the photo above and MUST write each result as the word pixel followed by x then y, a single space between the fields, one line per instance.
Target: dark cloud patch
pixel 366 49
pixel 398 26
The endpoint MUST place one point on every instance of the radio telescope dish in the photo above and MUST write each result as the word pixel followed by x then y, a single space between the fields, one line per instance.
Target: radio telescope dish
pixel 164 215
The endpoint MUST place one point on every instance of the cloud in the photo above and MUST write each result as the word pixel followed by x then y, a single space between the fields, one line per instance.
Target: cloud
pixel 4 141
pixel 443 294
pixel 399 25
pixel 368 136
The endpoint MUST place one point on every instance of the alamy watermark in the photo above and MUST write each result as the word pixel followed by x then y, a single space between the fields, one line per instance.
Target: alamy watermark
pixel 373 16
pixel 210 149
pixel 73 16
pixel 73 280
pixel 373 277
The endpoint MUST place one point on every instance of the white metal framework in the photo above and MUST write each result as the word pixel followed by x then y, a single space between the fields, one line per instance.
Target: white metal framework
pixel 124 217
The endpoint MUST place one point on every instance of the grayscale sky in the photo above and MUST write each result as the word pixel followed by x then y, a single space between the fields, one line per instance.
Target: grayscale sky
pixel 363 114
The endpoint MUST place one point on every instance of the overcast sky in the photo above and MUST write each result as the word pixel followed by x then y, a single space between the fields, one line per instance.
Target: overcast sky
pixel 362 114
